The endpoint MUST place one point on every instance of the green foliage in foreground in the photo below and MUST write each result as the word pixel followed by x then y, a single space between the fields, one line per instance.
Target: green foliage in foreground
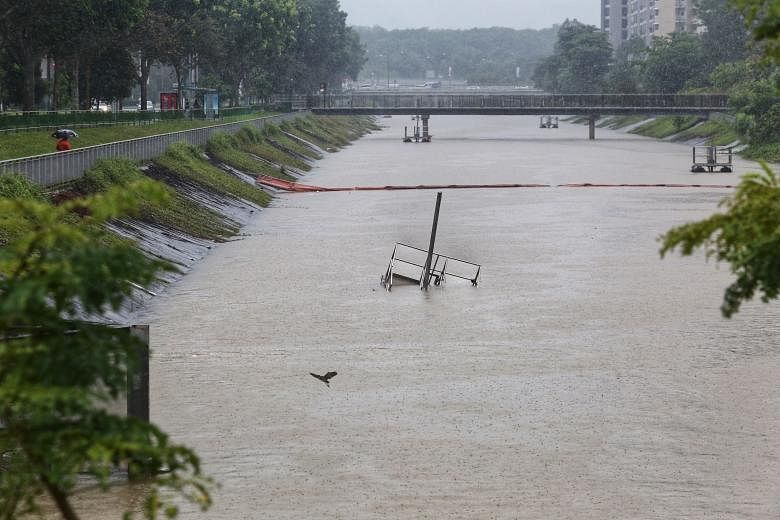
pixel 746 236
pixel 58 373
pixel 188 162
pixel 177 212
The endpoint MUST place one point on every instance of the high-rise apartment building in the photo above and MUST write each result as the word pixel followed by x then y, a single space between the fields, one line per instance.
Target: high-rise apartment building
pixel 624 19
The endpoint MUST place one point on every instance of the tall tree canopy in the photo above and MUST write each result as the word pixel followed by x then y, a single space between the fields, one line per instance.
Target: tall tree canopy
pixel 73 32
pixel 479 56
pixel 763 17
pixel 726 36
pixel 674 62
pixel 580 63
pixel 257 32
pixel 244 47
pixel 324 50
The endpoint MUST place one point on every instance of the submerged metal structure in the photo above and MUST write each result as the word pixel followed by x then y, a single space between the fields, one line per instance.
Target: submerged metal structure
pixel 711 158
pixel 421 266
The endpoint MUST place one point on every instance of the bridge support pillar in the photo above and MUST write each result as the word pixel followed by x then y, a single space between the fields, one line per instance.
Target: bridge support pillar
pixel 592 127
pixel 426 137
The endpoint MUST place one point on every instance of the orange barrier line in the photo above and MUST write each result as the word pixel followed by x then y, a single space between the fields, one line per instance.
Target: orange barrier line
pixel 267 180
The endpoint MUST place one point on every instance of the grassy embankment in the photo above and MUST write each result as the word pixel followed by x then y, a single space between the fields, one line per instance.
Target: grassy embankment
pixel 718 132
pixel 267 151
pixel 26 144
pixel 763 152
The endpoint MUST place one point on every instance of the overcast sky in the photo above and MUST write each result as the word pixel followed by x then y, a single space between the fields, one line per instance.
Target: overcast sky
pixel 465 14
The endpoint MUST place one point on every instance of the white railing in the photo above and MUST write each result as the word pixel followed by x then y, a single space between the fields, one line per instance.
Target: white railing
pixel 55 168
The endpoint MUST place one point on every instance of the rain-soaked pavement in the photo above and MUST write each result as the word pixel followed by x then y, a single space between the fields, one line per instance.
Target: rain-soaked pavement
pixel 584 378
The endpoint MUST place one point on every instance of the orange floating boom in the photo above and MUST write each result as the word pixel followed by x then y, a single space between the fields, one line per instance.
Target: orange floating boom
pixel 296 187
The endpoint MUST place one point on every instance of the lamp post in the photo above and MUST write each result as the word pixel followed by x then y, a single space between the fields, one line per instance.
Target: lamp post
pixel 386 56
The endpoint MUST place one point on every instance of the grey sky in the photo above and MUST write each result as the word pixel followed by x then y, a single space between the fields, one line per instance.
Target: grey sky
pixel 465 14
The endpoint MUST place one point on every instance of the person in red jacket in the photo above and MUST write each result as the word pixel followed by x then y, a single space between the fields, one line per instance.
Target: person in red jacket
pixel 63 145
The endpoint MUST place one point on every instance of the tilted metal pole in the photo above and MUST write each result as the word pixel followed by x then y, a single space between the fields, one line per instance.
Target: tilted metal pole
pixel 427 268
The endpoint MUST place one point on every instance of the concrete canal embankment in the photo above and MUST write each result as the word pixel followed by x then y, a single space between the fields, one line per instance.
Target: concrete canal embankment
pixel 212 189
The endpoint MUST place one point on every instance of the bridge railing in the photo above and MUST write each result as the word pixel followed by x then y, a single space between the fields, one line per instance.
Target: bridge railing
pixel 558 101
pixel 56 168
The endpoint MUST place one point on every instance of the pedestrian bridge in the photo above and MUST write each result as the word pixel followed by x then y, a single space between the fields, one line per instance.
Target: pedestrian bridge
pixel 591 106
pixel 519 104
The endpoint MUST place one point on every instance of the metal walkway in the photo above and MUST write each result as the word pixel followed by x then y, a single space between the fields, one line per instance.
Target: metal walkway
pixel 518 104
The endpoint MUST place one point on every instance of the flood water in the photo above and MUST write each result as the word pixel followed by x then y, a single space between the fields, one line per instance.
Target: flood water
pixel 584 378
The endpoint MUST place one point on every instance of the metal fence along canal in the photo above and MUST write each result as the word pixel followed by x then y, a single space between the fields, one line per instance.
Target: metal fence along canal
pixel 55 168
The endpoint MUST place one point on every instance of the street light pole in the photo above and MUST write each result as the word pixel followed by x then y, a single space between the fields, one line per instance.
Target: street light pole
pixel 387 57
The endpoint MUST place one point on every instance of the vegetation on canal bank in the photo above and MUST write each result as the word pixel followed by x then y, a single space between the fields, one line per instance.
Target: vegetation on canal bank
pixel 177 213
pixel 718 131
pixel 330 132
pixel 29 143
pixel 269 151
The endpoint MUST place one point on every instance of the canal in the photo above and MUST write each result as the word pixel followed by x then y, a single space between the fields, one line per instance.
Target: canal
pixel 584 378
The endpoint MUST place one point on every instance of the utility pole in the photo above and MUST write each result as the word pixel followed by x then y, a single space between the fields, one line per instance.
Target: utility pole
pixel 427 268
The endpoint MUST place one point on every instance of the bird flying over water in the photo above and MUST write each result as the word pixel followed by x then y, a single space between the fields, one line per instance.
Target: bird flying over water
pixel 326 378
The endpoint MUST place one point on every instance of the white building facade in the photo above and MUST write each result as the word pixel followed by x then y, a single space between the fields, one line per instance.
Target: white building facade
pixel 624 19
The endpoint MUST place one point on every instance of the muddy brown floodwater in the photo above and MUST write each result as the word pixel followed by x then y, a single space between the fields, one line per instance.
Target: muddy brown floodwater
pixel 584 378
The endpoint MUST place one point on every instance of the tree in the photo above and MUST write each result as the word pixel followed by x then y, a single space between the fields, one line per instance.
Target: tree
pixel 580 62
pixel 58 370
pixel 152 34
pixel 173 32
pixel 545 74
pixel 88 27
pixel 626 71
pixel 755 102
pixel 253 33
pixel 726 36
pixel 409 53
pixel 324 49
pixel 25 35
pixel 747 236
pixel 587 61
pixel 763 17
pixel 674 62
pixel 113 74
